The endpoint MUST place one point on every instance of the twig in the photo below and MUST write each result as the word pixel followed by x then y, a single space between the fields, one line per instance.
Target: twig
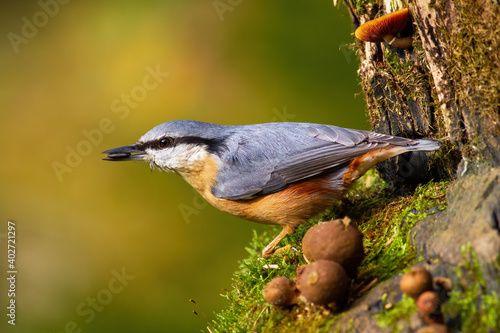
pixel 391 239
pixel 368 286
pixel 354 17
pixel 258 317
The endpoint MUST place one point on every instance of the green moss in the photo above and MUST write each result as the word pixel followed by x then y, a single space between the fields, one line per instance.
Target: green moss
pixel 394 315
pixel 362 5
pixel 470 301
pixel 471 307
pixel 385 222
pixel 473 45
pixel 471 63
pixel 247 309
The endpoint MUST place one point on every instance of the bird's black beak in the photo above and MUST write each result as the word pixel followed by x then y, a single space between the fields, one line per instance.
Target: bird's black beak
pixel 125 153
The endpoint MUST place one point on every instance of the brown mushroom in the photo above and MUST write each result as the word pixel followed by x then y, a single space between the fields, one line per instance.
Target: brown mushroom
pixel 280 291
pixel 415 282
pixel 323 282
pixel 337 240
pixel 429 308
pixel 443 283
pixel 386 28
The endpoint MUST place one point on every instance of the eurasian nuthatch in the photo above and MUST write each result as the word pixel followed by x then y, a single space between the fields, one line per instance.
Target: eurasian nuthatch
pixel 275 173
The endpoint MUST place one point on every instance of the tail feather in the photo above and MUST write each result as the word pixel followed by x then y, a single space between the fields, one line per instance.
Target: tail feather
pixel 361 164
pixel 425 145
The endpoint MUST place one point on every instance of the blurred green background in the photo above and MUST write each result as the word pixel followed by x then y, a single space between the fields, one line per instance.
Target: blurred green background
pixel 76 77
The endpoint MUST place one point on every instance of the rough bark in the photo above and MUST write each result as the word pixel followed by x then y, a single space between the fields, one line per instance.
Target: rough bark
pixel 446 86
pixel 461 42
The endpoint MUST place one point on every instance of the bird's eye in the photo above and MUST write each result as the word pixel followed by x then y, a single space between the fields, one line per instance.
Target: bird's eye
pixel 164 143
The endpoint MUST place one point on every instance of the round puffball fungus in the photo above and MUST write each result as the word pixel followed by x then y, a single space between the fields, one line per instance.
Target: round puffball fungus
pixel 337 240
pixel 415 282
pixel 429 308
pixel 323 282
pixel 386 28
pixel 280 291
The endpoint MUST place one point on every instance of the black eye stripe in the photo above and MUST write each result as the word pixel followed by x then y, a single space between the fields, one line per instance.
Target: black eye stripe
pixel 161 143
pixel 167 141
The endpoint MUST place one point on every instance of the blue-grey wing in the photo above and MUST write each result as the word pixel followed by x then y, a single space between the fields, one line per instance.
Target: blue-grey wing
pixel 266 158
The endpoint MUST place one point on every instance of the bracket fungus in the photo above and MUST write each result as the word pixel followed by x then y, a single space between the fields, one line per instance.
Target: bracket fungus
pixel 386 28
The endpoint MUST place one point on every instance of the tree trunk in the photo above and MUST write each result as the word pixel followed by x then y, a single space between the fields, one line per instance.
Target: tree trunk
pixel 446 86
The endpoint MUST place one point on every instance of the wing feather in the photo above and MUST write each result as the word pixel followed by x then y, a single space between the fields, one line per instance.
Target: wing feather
pixel 266 158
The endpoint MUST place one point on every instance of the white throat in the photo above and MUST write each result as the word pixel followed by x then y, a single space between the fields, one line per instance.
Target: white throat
pixel 182 158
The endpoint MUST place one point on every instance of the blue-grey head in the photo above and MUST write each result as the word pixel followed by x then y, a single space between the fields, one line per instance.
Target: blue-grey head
pixel 177 145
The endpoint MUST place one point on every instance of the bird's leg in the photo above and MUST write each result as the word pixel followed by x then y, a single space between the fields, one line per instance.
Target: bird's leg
pixel 287 230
